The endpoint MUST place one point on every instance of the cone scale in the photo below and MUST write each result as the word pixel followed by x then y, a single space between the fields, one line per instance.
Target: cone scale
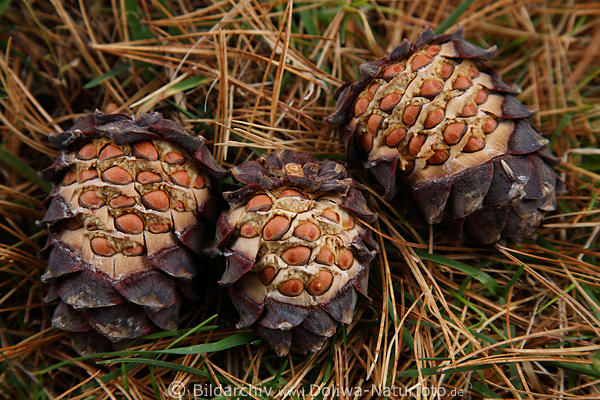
pixel 297 254
pixel 433 118
pixel 128 214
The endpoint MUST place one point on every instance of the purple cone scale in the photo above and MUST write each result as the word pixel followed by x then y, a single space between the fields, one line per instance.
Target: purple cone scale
pixel 297 254
pixel 433 117
pixel 129 212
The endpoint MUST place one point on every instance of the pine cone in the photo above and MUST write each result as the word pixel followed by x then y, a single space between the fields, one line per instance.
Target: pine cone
pixel 436 115
pixel 130 208
pixel 296 252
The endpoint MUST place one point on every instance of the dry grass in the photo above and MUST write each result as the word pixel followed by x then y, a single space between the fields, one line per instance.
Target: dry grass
pixel 521 321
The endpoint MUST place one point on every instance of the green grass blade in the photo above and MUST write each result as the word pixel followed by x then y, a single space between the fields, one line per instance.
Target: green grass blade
pixel 112 73
pixel 512 281
pixel 23 169
pixel 234 340
pixel 226 343
pixel 453 17
pixel 160 364
pixel 138 30
pixel 483 277
pixel 586 369
pixel 190 331
pixel 190 83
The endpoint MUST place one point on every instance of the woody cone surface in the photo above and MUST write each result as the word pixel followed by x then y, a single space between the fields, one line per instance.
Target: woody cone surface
pixel 130 208
pixel 433 115
pixel 296 253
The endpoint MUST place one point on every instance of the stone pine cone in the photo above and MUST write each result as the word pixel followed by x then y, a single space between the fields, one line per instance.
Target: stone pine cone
pixel 436 115
pixel 296 252
pixel 131 205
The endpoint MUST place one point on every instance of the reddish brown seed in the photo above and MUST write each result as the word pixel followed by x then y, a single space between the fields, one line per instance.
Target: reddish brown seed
pixel 331 215
pixel 296 255
pixel 69 178
pixel 434 117
pixel 393 69
pixel 291 287
pixel 110 151
pixel 438 157
pixel 102 247
pixel 446 71
pixel 346 259
pixel 320 284
pixel 156 200
pixel 415 143
pixel 199 182
pixel 159 228
pixel 481 97
pixel 490 125
pixel 136 250
pixel 260 202
pixel 411 113
pixel 431 88
pixel 181 178
pixel 473 71
pixel 361 106
pixel 307 231
pixel 420 60
pixel 122 201
pixel 462 83
pixel 366 142
pixel 88 175
pixel 116 175
pixel 74 223
pixel 474 144
pixel 145 150
pixel 374 123
pixel 248 231
pixel 87 152
pixel 89 199
pixel 129 223
pixel 174 157
pixel 145 177
pixel 179 206
pixel 395 136
pixel 454 132
pixel 372 89
pixel 276 227
pixel 325 256
pixel 468 110
pixel 289 193
pixel 267 274
pixel 433 49
pixel 389 102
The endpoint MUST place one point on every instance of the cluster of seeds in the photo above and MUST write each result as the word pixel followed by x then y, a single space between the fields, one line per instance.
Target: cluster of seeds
pixel 117 192
pixel 424 106
pixel 297 237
